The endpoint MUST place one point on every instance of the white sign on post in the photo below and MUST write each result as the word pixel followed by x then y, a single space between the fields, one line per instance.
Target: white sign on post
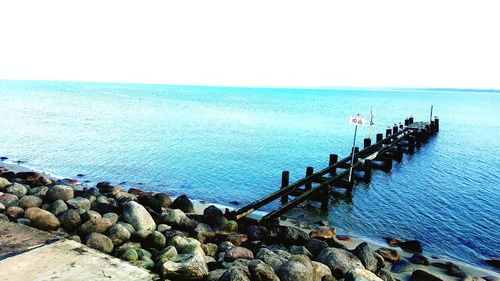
pixel 357 120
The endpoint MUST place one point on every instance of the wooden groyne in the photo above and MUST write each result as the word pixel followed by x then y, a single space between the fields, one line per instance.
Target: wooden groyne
pixel 316 186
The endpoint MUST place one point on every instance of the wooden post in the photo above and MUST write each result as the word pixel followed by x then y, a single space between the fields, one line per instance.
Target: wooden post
pixel 399 152
pixel 379 137
pixel 418 138
pixel 394 129
pixel 436 124
pixel 367 142
pixel 407 122
pixel 309 172
pixel 431 127
pixel 368 170
pixel 388 161
pixel 410 120
pixel 333 159
pixel 325 196
pixel 401 126
pixel 356 150
pixel 411 144
pixel 388 132
pixel 285 181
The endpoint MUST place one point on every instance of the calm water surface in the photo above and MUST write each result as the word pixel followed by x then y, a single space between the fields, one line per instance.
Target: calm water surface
pixel 224 144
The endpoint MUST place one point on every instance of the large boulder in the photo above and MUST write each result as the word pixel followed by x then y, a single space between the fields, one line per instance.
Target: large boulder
pixel 183 203
pixel 418 258
pixel 99 242
pixel 70 219
pixel 366 256
pixel 60 192
pixel 17 189
pixel 339 261
pixel 185 267
pixel 186 245
pixel 42 219
pixel 8 199
pixel 29 201
pixel 135 214
pixel 260 271
pixel 358 274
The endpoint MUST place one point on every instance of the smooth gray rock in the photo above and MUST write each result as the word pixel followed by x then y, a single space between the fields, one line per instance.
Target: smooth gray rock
pixel 99 242
pixel 185 267
pixel 294 271
pixel 17 189
pixel 99 225
pixel 300 250
pixel 118 234
pixel 359 274
pixel 401 266
pixel 339 261
pixel 29 201
pixel 60 192
pixel 138 216
pixel 260 271
pixel 366 256
pixel 8 200
pixel 58 207
pixel 70 219
pixel 186 245
pixel 270 258
pixel 79 203
pixel 178 219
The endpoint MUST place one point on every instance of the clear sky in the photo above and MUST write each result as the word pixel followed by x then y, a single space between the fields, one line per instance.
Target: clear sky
pixel 254 43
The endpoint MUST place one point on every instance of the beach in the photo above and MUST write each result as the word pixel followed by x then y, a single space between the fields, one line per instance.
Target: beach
pixel 400 269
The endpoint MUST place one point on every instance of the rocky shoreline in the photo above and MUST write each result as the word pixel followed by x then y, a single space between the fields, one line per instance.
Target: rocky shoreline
pixel 170 238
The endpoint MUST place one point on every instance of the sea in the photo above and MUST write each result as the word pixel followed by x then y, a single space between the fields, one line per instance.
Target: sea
pixel 229 145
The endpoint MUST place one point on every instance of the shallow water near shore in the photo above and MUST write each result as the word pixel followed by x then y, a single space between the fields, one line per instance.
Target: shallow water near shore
pixel 222 144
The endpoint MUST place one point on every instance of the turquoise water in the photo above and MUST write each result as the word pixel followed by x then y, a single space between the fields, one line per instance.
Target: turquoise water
pixel 224 144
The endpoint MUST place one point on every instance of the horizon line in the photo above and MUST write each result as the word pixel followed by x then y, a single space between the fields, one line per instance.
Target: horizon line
pixel 265 87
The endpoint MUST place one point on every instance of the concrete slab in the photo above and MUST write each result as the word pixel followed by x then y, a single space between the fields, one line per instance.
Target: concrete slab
pixel 17 238
pixel 59 260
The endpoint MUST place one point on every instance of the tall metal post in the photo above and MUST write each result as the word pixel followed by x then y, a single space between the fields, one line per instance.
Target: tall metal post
pixel 353 152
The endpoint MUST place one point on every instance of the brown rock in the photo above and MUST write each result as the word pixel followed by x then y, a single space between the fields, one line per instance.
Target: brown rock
pixel 323 233
pixel 42 219
pixel 389 255
pixel 235 253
